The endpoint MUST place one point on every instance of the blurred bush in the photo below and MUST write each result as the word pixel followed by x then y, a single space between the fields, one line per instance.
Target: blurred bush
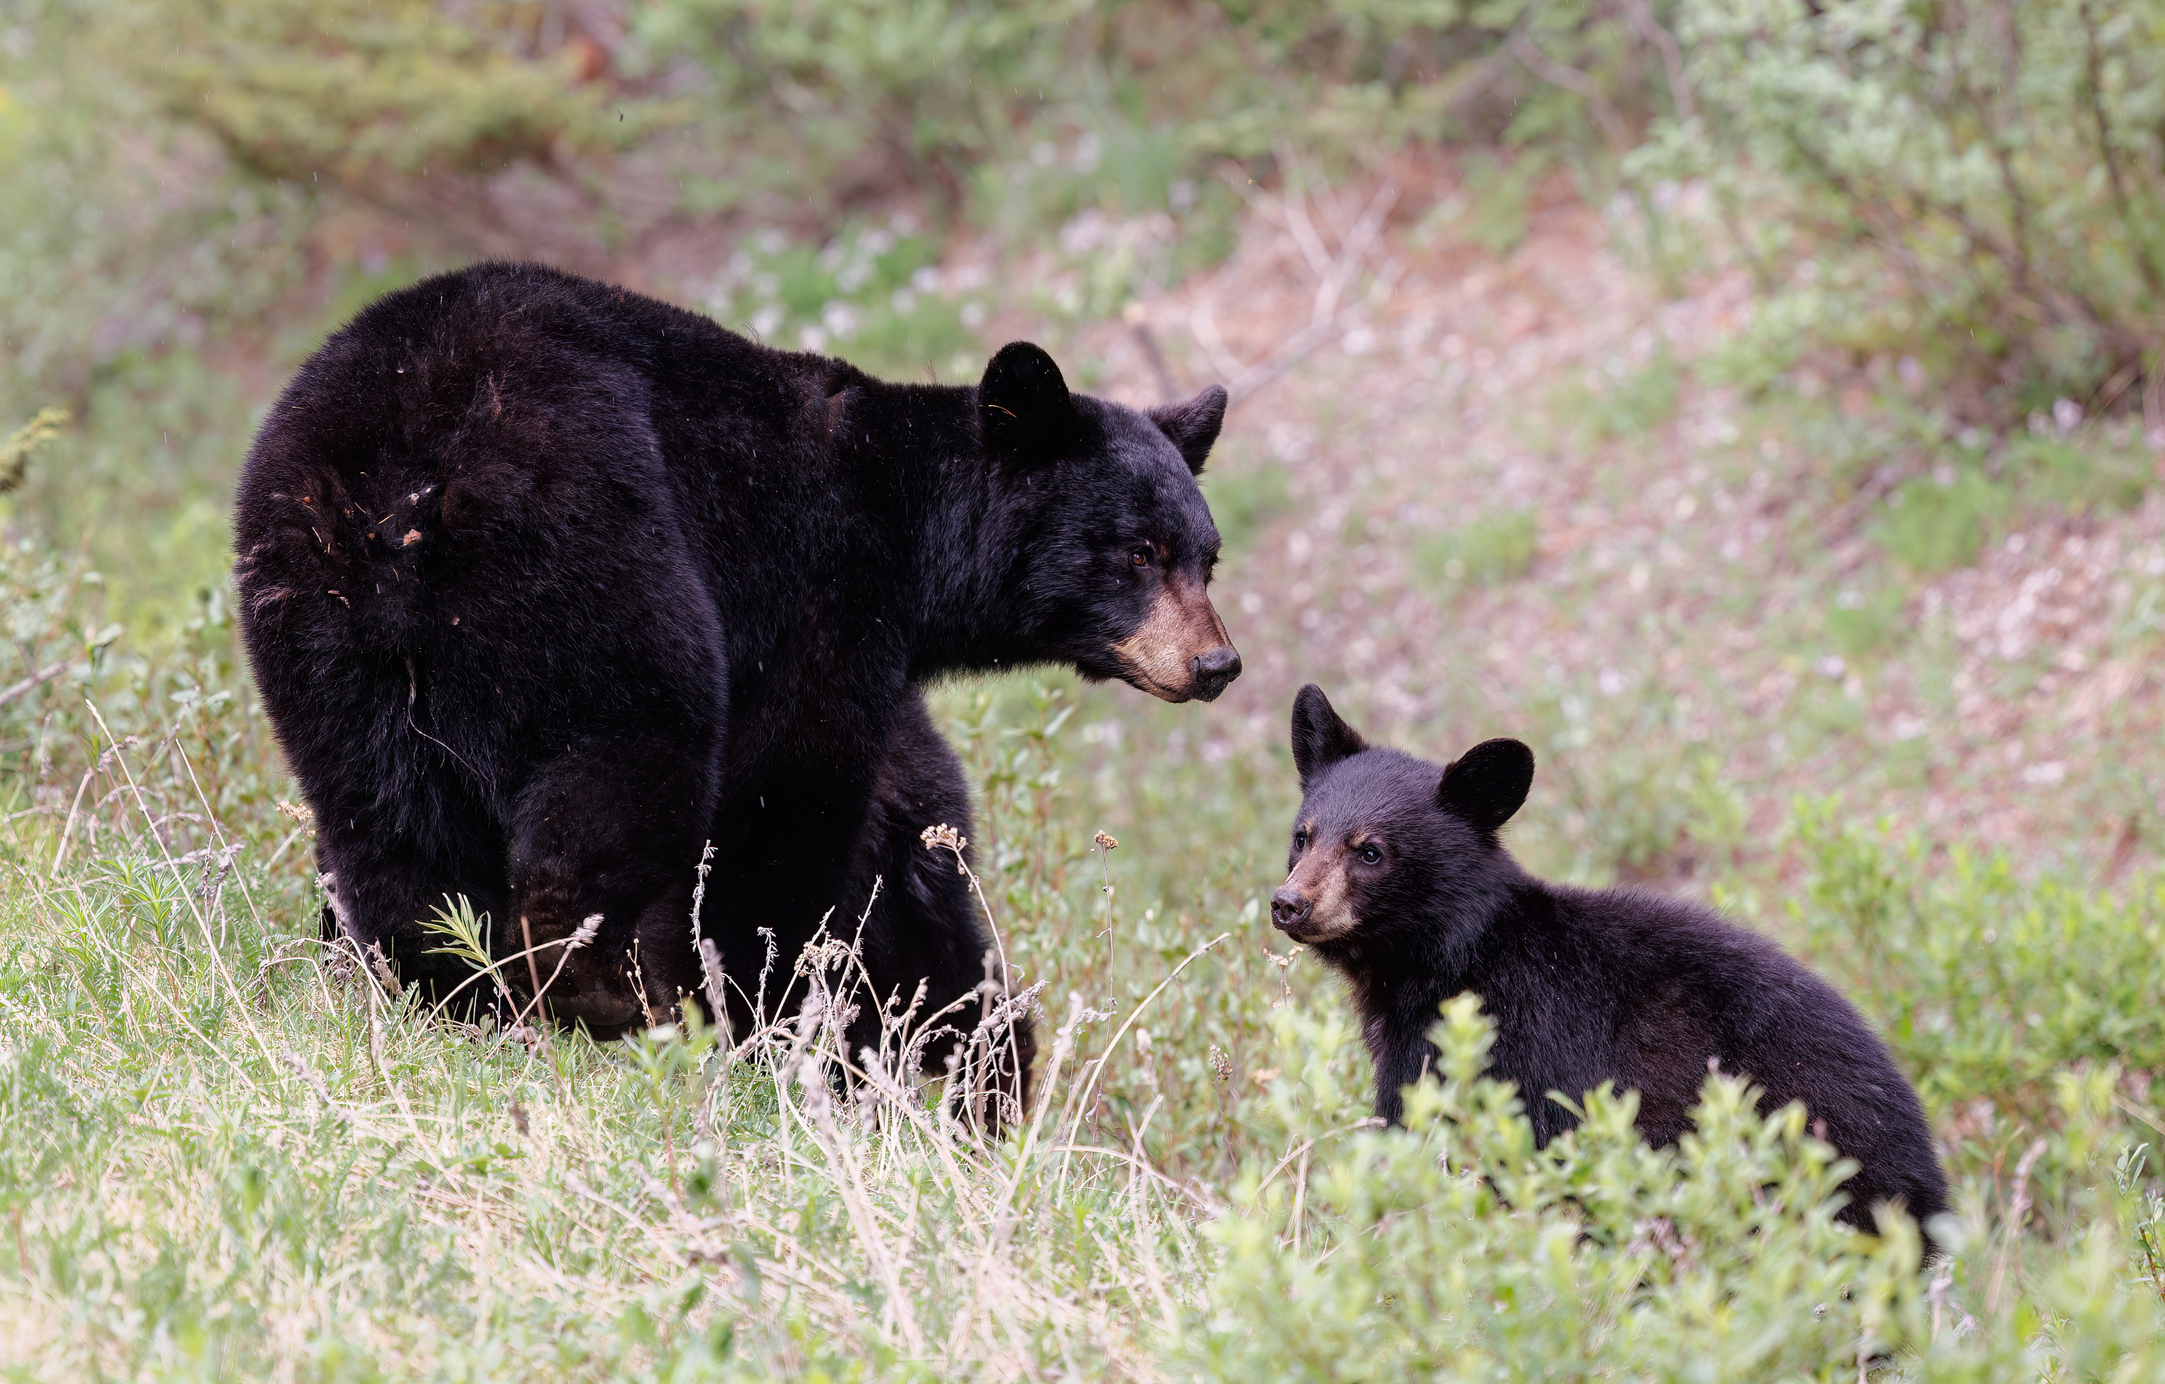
pixel 864 96
pixel 372 93
pixel 1976 186
pixel 16 448
pixel 1938 521
pixel 175 157
pixel 831 99
pixel 1632 791
pixel 112 245
pixel 246 123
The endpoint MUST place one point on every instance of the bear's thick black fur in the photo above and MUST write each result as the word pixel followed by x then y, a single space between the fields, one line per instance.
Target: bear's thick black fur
pixel 547 584
pixel 1399 883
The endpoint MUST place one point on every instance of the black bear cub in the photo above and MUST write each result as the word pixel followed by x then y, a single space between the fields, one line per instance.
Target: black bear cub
pixel 1399 883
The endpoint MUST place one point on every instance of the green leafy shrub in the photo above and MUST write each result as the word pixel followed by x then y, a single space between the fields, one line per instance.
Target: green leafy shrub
pixel 239 119
pixel 2103 474
pixel 2148 1251
pixel 835 93
pixel 1515 73
pixel 1112 164
pixel 374 94
pixel 1642 400
pixel 1933 522
pixel 1455 1249
pixel 1493 205
pixel 865 95
pixel 1619 403
pixel 1981 188
pixel 1988 987
pixel 118 246
pixel 1456 1246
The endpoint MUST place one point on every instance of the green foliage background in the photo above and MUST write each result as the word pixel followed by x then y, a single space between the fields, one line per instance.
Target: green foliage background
pixel 1978 185
pixel 224 1154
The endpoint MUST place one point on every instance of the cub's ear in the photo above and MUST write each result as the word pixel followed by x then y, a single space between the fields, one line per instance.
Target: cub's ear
pixel 1488 783
pixel 1194 425
pixel 1320 738
pixel 1023 406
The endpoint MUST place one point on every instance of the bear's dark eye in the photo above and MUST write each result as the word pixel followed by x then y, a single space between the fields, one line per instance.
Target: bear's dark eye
pixel 1139 555
pixel 1300 840
pixel 1370 855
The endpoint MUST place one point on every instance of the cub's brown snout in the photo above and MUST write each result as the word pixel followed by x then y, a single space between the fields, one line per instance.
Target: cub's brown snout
pixel 1290 909
pixel 1315 904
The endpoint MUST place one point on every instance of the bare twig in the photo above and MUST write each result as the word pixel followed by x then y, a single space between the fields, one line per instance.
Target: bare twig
pixel 1138 320
pixel 1577 83
pixel 1642 18
pixel 583 934
pixel 33 682
pixel 1105 843
pixel 1327 312
pixel 105 762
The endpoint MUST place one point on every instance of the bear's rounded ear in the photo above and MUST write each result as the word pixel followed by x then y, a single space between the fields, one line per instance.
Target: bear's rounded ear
pixel 1023 407
pixel 1488 783
pixel 1193 426
pixel 1320 738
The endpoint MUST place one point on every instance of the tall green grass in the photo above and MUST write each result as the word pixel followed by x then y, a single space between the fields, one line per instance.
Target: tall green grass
pixel 227 1151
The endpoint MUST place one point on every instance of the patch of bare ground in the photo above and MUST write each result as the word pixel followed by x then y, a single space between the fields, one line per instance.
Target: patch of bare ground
pixel 1667 650
pixel 2052 713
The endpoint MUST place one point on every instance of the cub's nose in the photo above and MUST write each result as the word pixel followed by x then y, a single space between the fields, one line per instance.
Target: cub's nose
pixel 1213 671
pixel 1289 908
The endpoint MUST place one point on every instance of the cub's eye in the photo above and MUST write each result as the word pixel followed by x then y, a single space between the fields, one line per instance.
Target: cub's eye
pixel 1370 855
pixel 1300 840
pixel 1139 555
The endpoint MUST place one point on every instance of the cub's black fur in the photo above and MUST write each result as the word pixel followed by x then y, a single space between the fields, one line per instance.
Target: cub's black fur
pixel 1399 883
pixel 547 584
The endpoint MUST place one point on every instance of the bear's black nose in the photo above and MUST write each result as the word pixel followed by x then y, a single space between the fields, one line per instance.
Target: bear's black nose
pixel 1214 670
pixel 1289 908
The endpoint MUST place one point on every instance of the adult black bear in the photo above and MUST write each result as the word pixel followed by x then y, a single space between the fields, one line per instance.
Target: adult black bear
pixel 547 584
pixel 1399 883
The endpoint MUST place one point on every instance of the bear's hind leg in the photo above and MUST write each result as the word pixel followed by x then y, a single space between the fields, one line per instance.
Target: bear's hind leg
pixel 927 929
pixel 604 845
pixel 385 891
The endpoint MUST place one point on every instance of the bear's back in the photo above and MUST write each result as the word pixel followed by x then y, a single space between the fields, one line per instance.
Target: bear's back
pixel 1751 1001
pixel 1694 989
pixel 585 345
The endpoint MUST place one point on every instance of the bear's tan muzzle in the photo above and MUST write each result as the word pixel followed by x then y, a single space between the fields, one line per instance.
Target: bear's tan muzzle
pixel 1180 651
